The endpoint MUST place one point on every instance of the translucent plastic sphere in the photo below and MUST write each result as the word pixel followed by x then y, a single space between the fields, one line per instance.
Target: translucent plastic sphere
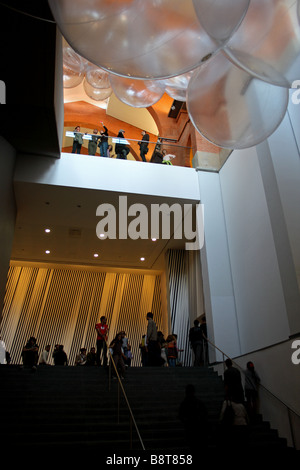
pixel 176 87
pixel 230 107
pixel 267 42
pixel 97 94
pixel 145 39
pixel 220 18
pixel 73 68
pixel 97 77
pixel 136 93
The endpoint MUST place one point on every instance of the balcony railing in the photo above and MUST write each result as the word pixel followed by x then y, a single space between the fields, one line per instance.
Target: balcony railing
pixel 178 155
pixel 158 152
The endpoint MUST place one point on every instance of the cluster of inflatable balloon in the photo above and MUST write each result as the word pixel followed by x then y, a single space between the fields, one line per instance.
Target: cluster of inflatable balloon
pixel 77 70
pixel 232 61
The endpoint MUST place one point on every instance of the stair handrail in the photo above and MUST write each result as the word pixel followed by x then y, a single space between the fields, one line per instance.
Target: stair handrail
pixel 289 408
pixel 120 386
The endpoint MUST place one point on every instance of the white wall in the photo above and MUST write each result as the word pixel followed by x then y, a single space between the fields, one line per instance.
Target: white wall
pixel 256 277
pixel 284 149
pixel 109 174
pixel 219 299
pixel 7 210
pixel 252 247
pixel 246 295
pixel 252 233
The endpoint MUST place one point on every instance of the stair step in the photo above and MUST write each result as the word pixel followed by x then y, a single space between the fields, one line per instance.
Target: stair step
pixel 73 408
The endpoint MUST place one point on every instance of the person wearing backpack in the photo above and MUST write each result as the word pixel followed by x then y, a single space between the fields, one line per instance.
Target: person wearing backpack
pixel 234 423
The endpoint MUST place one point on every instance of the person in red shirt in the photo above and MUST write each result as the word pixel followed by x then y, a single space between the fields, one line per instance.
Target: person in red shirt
pixel 102 335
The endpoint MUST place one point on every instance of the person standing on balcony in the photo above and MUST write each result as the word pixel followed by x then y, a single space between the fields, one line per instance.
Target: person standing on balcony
pixel 102 335
pixel 144 145
pixel 121 149
pixel 103 144
pixel 92 146
pixel 167 157
pixel 78 141
pixel 109 150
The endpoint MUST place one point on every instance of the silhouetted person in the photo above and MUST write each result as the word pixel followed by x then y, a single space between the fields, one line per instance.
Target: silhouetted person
pixel 153 348
pixel 81 358
pixel 204 352
pixel 252 381
pixel 30 353
pixel 194 417
pixel 60 357
pixel 91 357
pixel 118 356
pixel 233 383
pixel 196 339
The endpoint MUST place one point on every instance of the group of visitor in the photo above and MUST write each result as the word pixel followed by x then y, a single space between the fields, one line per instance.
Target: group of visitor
pixel 122 149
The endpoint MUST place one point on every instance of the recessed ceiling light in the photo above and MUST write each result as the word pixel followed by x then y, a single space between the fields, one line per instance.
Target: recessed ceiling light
pixel 142 259
pixel 47 230
pixel 154 239
pixel 47 252
pixel 96 255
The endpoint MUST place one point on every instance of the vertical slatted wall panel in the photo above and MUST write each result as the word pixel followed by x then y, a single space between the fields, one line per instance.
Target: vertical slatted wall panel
pixel 179 302
pixel 62 306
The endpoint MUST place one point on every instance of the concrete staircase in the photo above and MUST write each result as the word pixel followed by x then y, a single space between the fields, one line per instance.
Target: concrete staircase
pixel 72 410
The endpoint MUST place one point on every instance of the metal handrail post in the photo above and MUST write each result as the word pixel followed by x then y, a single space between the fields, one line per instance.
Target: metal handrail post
pixel 291 428
pixel 118 403
pixel 130 432
pixel 120 386
pixel 109 375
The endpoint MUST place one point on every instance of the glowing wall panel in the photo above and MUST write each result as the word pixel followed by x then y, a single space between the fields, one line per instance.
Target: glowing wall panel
pixel 62 306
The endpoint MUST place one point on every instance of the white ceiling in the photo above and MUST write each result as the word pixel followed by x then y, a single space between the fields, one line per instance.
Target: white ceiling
pixel 70 213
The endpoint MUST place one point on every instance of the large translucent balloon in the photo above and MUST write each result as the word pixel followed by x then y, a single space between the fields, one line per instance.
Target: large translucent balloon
pixel 176 87
pixel 73 68
pixel 230 107
pixel 141 39
pixel 267 43
pixel 136 93
pixel 97 94
pixel 96 83
pixel 97 77
pixel 220 18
